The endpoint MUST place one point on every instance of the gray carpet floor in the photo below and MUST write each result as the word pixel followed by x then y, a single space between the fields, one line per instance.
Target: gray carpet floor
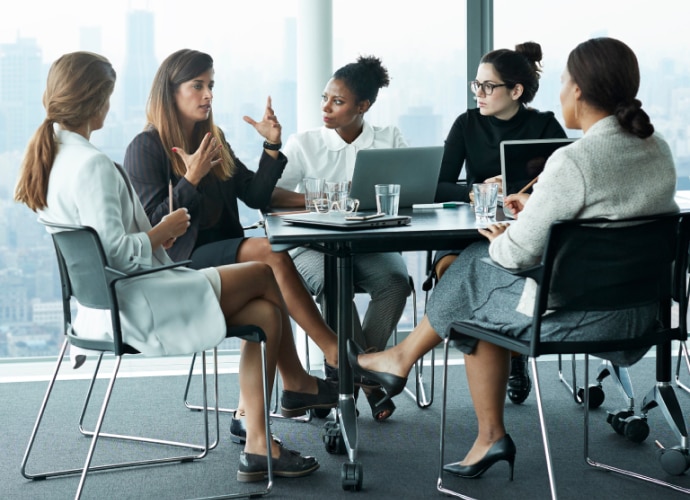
pixel 400 457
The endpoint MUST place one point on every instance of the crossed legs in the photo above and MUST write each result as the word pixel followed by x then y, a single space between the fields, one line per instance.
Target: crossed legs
pixel 249 295
pixel 298 300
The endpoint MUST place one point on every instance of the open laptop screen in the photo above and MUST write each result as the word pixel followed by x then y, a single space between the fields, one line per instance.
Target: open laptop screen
pixel 416 169
pixel 522 161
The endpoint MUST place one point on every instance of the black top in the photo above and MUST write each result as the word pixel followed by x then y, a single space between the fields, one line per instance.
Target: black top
pixel 474 140
pixel 212 204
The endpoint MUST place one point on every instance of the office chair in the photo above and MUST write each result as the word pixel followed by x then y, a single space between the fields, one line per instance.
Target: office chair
pixel 587 266
pixel 86 276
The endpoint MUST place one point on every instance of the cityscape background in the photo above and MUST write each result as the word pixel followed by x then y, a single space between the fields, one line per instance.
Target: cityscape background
pixel 254 47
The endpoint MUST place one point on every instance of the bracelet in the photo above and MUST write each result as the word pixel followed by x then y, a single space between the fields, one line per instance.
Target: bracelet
pixel 272 147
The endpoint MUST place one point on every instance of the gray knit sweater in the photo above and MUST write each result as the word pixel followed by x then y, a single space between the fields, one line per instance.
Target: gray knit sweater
pixel 607 173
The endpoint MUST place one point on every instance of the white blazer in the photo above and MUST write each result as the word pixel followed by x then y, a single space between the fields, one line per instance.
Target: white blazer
pixel 170 312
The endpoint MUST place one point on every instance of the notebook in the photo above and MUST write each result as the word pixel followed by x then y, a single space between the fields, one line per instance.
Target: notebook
pixel 523 160
pixel 337 220
pixel 415 169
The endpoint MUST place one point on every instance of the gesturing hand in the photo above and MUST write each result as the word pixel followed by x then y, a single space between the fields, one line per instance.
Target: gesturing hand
pixel 269 127
pixel 202 161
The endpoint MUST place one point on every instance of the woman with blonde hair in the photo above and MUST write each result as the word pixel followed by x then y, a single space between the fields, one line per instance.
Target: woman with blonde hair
pixel 67 180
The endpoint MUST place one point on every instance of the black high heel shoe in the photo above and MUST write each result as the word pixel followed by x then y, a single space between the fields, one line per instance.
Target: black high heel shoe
pixel 503 449
pixel 393 384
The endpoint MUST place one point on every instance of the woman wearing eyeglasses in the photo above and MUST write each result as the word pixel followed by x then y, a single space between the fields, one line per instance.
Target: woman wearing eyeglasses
pixel 506 82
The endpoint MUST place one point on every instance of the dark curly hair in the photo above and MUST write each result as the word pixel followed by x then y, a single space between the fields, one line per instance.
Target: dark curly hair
pixel 364 78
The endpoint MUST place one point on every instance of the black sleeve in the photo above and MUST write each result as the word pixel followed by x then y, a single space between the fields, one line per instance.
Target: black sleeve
pixel 255 188
pixel 454 155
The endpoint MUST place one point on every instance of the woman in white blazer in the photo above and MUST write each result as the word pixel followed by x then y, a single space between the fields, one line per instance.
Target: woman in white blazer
pixel 68 180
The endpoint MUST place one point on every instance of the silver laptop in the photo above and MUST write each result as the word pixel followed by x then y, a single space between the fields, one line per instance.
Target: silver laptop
pixel 415 169
pixel 338 220
pixel 523 160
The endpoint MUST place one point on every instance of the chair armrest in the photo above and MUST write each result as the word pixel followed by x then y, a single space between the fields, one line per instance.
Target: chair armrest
pixel 119 275
pixel 534 272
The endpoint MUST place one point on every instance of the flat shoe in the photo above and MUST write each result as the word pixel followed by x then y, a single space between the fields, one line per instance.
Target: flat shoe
pixel 393 384
pixel 296 404
pixel 238 432
pixel 288 464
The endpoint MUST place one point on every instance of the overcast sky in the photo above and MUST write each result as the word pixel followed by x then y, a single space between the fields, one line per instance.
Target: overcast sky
pixel 257 25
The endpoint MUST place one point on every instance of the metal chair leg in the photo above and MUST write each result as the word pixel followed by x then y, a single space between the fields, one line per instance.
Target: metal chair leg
pixel 200 451
pixel 661 395
pixel 682 355
pixel 422 395
pixel 444 393
pixel 267 422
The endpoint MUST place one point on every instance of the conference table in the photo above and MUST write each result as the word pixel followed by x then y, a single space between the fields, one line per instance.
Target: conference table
pixel 429 229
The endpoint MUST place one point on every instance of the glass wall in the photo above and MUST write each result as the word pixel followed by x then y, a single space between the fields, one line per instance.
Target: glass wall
pixel 254 48
pixel 657 34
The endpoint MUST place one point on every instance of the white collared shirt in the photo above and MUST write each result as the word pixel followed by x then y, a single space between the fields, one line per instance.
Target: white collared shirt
pixel 323 153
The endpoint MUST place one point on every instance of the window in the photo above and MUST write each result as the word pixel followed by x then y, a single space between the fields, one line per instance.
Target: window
pixel 254 48
pixel 658 37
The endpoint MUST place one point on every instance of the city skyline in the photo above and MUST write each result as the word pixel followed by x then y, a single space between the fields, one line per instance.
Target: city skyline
pixel 424 52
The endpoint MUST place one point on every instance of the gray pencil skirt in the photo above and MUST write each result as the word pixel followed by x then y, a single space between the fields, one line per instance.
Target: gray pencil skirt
pixel 478 293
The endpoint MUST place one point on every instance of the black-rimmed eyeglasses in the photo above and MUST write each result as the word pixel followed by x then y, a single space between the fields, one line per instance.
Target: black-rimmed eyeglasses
pixel 487 87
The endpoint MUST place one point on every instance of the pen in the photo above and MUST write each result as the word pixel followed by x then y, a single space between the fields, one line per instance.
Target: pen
pixel 448 204
pixel 529 185
pixel 170 196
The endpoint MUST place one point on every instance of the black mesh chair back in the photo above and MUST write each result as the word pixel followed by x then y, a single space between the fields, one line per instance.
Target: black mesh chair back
pixel 604 265
pixel 597 265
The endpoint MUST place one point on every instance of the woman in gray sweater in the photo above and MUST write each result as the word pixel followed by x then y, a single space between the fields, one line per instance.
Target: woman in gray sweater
pixel 618 169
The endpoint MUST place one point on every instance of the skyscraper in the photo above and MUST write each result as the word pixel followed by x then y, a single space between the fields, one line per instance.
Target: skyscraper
pixel 21 87
pixel 140 64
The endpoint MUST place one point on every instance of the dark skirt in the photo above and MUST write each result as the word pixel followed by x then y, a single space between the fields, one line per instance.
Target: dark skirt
pixel 481 294
pixel 216 254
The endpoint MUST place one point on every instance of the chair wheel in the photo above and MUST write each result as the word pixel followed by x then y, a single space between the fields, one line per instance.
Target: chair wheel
pixel 333 438
pixel 674 461
pixel 352 476
pixel 636 429
pixel 596 396
pixel 616 420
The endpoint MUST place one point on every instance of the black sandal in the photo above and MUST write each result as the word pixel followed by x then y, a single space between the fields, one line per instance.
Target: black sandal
pixel 378 408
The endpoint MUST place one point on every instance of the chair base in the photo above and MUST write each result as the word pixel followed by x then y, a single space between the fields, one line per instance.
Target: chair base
pixel 674 461
pixel 619 376
pixel 195 451
pixel 682 356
